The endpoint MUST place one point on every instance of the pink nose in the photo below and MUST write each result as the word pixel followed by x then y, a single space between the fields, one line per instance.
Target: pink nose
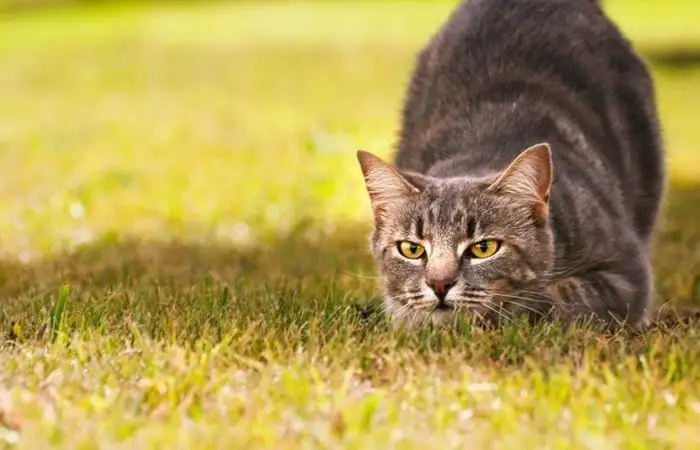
pixel 441 287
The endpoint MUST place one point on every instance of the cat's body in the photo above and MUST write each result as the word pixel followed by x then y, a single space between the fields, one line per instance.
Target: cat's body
pixel 573 231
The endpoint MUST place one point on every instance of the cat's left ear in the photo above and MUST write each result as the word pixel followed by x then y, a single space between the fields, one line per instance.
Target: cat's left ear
pixel 529 177
pixel 385 184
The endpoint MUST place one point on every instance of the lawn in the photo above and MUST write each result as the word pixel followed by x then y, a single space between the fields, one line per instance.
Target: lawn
pixel 183 244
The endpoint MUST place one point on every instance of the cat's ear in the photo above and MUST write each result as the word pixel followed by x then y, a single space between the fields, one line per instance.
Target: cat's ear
pixel 529 177
pixel 385 184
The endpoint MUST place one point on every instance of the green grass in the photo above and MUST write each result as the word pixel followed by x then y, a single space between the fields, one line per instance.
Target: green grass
pixel 183 243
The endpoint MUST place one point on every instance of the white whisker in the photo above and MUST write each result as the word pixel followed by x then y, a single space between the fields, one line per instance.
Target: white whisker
pixel 520 305
pixel 498 311
pixel 525 298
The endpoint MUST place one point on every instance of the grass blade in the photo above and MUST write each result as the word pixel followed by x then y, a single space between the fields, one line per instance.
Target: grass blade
pixel 58 310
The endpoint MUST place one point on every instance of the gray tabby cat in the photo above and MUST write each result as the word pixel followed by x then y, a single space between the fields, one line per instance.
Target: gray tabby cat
pixel 529 171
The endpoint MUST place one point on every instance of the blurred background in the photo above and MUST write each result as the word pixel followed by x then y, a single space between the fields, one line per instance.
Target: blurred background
pixel 219 136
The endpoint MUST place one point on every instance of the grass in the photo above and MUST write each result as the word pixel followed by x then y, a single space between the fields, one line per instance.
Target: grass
pixel 183 243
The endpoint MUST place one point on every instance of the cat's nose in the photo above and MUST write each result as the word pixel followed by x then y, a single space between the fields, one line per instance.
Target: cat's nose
pixel 441 287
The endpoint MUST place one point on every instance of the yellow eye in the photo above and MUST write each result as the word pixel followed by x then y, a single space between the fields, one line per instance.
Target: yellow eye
pixel 485 249
pixel 411 250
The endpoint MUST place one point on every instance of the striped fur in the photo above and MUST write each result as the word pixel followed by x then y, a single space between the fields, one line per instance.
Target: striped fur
pixel 576 226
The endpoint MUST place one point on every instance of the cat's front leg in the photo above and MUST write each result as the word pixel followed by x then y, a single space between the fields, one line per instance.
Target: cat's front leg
pixel 616 295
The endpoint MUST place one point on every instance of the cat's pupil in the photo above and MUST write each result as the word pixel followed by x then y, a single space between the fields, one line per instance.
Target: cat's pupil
pixel 483 246
pixel 413 248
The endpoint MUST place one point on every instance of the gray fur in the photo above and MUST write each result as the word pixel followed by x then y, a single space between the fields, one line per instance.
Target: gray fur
pixel 502 76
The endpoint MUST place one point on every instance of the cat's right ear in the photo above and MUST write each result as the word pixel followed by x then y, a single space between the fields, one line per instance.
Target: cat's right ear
pixel 385 184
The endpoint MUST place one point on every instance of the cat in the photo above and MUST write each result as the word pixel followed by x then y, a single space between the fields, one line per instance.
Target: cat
pixel 529 171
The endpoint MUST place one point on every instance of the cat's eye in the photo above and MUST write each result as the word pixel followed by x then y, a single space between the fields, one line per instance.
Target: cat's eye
pixel 484 249
pixel 411 250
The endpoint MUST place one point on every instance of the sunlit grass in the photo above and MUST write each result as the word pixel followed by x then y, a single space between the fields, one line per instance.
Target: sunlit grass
pixel 188 170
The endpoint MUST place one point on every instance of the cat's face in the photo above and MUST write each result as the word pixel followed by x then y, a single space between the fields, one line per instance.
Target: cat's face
pixel 448 246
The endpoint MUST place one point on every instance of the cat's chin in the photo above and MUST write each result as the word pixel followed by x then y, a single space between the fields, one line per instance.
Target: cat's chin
pixel 446 318
pixel 437 317
pixel 442 317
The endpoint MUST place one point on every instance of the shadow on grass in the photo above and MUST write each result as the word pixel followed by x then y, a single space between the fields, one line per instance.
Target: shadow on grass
pixel 158 283
pixel 677 250
pixel 676 58
pixel 110 262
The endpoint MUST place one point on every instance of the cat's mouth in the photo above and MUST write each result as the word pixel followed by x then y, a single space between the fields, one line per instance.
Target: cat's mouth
pixel 442 306
pixel 449 308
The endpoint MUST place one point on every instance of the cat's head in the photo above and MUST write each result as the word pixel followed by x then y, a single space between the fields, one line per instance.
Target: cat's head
pixel 473 245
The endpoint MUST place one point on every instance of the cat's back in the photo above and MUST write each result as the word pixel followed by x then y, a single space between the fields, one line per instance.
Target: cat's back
pixel 489 38
pixel 568 46
pixel 504 31
pixel 501 75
